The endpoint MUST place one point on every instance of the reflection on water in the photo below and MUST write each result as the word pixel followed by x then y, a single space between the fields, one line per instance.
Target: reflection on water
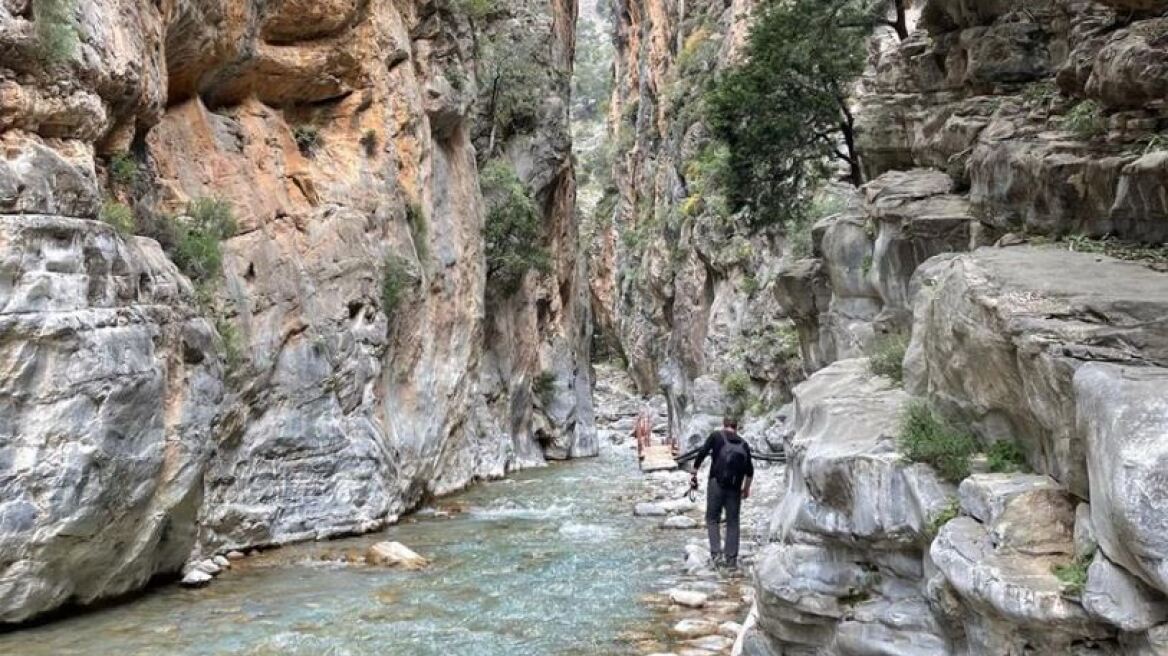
pixel 550 562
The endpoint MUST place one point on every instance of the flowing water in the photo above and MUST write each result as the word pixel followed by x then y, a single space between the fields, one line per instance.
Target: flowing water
pixel 547 562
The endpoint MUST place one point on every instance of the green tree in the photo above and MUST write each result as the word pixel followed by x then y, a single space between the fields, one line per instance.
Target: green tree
pixel 783 112
pixel 513 231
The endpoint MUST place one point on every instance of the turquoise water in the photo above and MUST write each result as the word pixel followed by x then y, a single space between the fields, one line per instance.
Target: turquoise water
pixel 550 561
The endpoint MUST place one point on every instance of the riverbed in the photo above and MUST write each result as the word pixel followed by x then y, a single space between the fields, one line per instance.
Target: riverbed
pixel 549 561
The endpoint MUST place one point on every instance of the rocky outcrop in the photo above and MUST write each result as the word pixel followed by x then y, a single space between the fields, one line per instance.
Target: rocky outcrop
pixel 350 360
pixel 991 124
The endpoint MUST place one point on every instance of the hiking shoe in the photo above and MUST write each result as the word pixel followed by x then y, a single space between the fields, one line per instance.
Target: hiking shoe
pixel 716 561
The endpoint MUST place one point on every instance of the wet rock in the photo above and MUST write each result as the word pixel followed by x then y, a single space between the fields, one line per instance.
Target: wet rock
pixel 209 566
pixel 196 579
pixel 649 509
pixel 688 598
pixel 394 554
pixel 730 629
pixel 680 522
pixel 712 643
pixel 222 562
pixel 235 555
pixel 694 628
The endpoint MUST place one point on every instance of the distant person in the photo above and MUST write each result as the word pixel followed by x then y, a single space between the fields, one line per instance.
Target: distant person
pixel 731 472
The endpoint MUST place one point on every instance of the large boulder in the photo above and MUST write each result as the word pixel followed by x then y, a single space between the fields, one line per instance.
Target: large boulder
pixel 109 386
pixel 1122 413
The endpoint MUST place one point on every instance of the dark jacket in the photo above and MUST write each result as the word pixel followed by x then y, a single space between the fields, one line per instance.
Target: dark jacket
pixel 713 447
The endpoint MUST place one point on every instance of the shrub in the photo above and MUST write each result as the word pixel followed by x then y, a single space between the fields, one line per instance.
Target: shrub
pixel 925 437
pixel 232 345
pixel 866 265
pixel 369 142
pixel 396 280
pixel 56 29
pixel 307 138
pixel 749 284
pixel 543 387
pixel 197 250
pixel 123 170
pixel 476 9
pixel 513 230
pixel 736 384
pixel 1073 575
pixel 419 230
pixel 1085 120
pixel 946 515
pixel 1006 457
pixel 117 215
pixel 887 357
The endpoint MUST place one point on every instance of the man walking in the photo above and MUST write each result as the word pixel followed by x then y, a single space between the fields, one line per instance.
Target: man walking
pixel 731 472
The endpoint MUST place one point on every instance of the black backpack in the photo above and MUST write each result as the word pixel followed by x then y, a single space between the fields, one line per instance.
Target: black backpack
pixel 733 461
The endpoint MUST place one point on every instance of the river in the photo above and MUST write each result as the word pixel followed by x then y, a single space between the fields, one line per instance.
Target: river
pixel 548 561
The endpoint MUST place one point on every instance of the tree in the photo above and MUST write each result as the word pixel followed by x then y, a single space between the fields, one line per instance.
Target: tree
pixel 783 112
pixel 513 232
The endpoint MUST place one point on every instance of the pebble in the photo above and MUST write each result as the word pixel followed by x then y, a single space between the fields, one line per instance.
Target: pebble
pixel 647 509
pixel 715 643
pixel 694 628
pixel 730 629
pixel 687 598
pixel 208 566
pixel 235 555
pixel 196 579
pixel 222 562
pixel 680 521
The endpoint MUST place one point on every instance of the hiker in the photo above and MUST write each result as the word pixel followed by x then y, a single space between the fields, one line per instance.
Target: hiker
pixel 731 471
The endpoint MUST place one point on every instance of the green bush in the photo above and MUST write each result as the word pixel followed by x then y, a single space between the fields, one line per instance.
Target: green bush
pixel 1085 120
pixel 419 230
pixel 369 142
pixel 56 29
pixel 1006 457
pixel 1073 575
pixel 117 215
pixel 476 9
pixel 887 357
pixel 307 138
pixel 736 384
pixel 232 345
pixel 925 437
pixel 123 170
pixel 197 250
pixel 947 514
pixel 544 386
pixel 513 230
pixel 396 280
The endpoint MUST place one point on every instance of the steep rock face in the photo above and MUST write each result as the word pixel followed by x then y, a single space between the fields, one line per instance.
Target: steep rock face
pixel 285 399
pixel 975 130
pixel 681 284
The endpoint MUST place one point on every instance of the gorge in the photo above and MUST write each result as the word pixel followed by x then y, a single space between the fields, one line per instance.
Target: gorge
pixel 278 273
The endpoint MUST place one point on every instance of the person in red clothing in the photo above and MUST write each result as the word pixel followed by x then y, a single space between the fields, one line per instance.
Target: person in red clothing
pixel 731 472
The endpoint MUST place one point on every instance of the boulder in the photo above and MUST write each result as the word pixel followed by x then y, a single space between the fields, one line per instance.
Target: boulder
pixel 394 554
pixel 1026 513
pixel 1114 596
pixel 1122 413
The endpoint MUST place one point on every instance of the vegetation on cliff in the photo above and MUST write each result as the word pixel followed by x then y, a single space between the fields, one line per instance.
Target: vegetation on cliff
pixel 513 231
pixel 784 111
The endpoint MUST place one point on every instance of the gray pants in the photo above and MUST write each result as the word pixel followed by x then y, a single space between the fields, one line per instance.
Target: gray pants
pixel 717 500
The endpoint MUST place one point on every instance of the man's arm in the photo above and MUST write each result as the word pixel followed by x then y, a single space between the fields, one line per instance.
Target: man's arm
pixel 749 473
pixel 702 453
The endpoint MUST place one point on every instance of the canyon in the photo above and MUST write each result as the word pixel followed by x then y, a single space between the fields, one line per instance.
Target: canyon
pixel 364 338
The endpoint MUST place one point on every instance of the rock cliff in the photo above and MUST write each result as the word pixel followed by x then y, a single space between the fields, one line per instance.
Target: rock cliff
pixel 343 353
pixel 679 283
pixel 1011 237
